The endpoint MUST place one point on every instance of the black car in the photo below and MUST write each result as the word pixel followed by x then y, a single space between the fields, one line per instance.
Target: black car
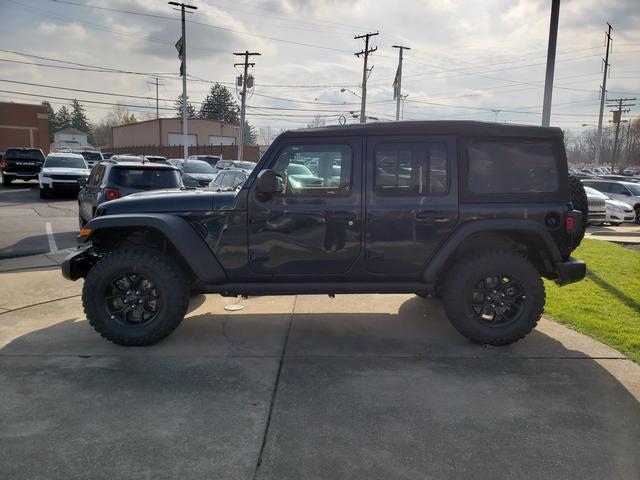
pixel 21 164
pixel 195 173
pixel 226 164
pixel 476 213
pixel 111 180
pixel 92 157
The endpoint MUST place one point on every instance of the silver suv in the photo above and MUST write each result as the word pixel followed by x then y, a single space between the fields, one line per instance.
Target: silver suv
pixel 628 192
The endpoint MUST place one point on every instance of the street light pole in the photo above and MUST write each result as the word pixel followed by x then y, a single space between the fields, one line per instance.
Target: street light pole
pixel 183 72
pixel 551 61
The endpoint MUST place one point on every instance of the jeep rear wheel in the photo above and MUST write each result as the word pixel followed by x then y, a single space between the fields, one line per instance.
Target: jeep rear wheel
pixel 135 296
pixel 494 298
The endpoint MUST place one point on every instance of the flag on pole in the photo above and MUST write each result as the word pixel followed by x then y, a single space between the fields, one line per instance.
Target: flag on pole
pixel 179 47
pixel 396 84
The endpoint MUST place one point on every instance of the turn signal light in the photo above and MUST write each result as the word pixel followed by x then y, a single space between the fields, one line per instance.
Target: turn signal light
pixel 85 232
pixel 571 224
pixel 111 193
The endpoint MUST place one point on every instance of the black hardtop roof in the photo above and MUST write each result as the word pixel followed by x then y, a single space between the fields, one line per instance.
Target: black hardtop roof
pixel 432 127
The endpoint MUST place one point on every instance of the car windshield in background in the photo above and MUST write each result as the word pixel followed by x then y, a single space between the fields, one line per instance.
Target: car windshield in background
pixel 245 165
pixel 66 162
pixel 635 189
pixel 197 166
pixel 92 155
pixel 145 178
pixel 30 153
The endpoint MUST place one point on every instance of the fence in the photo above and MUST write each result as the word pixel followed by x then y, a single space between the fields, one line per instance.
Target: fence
pixel 230 152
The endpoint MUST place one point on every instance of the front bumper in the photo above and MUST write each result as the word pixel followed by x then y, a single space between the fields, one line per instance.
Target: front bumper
pixel 77 264
pixel 570 271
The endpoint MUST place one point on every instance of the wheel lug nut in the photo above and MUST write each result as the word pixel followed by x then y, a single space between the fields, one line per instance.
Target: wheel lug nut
pixel 125 300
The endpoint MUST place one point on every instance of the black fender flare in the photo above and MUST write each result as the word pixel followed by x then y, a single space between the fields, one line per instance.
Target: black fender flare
pixel 465 230
pixel 185 239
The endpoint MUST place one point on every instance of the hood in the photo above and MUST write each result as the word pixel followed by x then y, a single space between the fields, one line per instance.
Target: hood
pixel 618 203
pixel 170 201
pixel 66 171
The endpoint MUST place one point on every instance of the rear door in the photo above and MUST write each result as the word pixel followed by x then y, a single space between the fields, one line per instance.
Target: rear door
pixel 412 201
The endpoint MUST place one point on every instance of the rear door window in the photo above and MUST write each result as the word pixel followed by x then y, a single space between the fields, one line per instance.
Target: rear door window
pixel 511 167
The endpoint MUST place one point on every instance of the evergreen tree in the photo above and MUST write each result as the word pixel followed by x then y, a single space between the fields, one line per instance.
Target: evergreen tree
pixel 63 118
pixel 220 105
pixel 53 123
pixel 79 118
pixel 191 111
pixel 250 136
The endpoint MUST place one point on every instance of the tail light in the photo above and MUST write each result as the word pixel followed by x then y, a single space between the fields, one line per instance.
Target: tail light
pixel 3 163
pixel 111 193
pixel 571 224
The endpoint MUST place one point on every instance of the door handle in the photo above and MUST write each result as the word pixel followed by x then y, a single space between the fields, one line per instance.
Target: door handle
pixel 431 215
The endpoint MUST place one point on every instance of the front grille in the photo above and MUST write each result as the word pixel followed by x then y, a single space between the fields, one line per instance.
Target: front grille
pixel 596 203
pixel 65 177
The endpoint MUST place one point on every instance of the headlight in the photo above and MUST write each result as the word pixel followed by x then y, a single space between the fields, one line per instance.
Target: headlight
pixel 615 208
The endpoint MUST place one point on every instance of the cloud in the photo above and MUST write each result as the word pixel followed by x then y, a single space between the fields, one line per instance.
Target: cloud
pixel 71 31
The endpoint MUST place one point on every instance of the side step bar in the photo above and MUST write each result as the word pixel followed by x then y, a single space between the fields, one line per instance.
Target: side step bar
pixel 319 288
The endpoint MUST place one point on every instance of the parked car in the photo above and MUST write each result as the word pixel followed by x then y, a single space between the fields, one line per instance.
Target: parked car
pixel 616 212
pixel 60 173
pixel 20 164
pixel 498 218
pixel 111 180
pixel 157 159
pixel 210 159
pixel 630 172
pixel 229 179
pixel 597 207
pixel 628 192
pixel 92 157
pixel 195 173
pixel 107 155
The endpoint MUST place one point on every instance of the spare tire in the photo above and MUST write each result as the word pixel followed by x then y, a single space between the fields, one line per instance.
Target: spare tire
pixel 580 203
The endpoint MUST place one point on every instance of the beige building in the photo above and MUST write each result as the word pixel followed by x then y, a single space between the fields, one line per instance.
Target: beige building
pixel 166 132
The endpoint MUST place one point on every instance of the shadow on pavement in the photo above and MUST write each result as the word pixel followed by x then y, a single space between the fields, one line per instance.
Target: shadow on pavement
pixel 38 244
pixel 360 395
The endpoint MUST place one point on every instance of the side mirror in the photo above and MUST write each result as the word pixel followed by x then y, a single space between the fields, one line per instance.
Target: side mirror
pixel 267 182
pixel 82 182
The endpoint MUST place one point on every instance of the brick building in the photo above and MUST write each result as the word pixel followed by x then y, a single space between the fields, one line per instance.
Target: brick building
pixel 23 125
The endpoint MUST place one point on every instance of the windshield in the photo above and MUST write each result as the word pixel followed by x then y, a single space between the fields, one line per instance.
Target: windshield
pixel 245 165
pixel 297 169
pixel 635 189
pixel 197 166
pixel 68 162
pixel 145 178
pixel 92 155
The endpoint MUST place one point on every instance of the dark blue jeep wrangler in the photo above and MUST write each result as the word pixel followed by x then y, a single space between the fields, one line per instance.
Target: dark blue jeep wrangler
pixel 473 212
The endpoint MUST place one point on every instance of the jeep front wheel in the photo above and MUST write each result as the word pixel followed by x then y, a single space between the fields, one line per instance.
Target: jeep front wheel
pixel 494 298
pixel 134 296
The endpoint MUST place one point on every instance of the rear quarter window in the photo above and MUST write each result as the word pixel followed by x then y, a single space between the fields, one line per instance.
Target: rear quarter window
pixel 511 167
pixel 144 178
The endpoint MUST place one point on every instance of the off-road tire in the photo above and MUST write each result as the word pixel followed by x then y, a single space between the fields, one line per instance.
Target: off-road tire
pixel 464 277
pixel 580 202
pixel 43 193
pixel 637 210
pixel 6 181
pixel 170 282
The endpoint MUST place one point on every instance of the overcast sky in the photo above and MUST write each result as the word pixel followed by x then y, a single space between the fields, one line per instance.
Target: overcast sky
pixel 468 60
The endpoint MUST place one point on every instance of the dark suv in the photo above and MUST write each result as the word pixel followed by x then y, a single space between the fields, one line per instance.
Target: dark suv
pixel 473 212
pixel 21 164
pixel 111 179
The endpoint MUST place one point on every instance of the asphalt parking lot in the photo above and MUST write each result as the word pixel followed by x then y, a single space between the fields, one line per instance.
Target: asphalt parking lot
pixel 304 387
pixel 32 226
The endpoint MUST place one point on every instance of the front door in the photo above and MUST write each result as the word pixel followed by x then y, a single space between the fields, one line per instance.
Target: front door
pixel 412 201
pixel 313 226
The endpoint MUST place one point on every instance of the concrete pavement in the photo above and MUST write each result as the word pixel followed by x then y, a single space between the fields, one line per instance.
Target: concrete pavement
pixel 626 233
pixel 362 386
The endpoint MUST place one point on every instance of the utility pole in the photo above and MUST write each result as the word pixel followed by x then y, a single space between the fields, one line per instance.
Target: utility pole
pixel 243 96
pixel 156 83
pixel 551 62
pixel 603 95
pixel 181 45
pixel 617 119
pixel 397 84
pixel 365 71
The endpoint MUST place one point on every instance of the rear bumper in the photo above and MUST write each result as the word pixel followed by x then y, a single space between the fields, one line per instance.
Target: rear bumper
pixel 570 271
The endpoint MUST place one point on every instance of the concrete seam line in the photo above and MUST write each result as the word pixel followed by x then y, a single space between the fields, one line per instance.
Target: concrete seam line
pixel 53 248
pixel 40 303
pixel 274 393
